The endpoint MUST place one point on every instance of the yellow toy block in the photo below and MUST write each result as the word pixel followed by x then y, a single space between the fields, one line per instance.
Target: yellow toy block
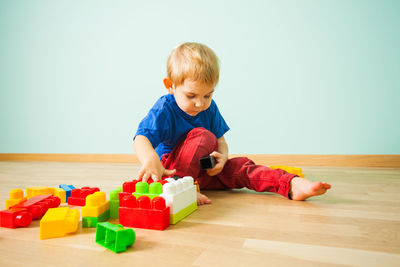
pixel 16 197
pixel 39 190
pixel 58 192
pixel 58 222
pixel 292 170
pixel 96 204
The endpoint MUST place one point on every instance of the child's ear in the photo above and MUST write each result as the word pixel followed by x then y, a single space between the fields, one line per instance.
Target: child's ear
pixel 168 84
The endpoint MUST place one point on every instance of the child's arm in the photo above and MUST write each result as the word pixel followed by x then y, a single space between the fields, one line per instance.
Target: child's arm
pixel 221 156
pixel 151 165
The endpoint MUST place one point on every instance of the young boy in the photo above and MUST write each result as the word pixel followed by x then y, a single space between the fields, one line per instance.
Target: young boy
pixel 186 125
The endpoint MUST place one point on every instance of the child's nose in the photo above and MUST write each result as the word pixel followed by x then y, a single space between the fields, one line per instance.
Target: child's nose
pixel 199 104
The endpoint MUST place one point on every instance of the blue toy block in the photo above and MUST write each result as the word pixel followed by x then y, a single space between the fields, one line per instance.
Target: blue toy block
pixel 67 188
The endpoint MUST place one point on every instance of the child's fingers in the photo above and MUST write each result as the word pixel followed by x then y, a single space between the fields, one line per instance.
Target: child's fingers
pixel 140 175
pixel 146 177
pixel 155 177
pixel 216 154
pixel 169 172
pixel 214 171
pixel 210 173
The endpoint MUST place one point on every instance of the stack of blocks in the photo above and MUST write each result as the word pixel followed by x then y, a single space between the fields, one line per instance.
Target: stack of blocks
pixel 137 210
pixel 140 206
pixel 181 196
pixel 97 209
pixel 58 222
pixel 78 196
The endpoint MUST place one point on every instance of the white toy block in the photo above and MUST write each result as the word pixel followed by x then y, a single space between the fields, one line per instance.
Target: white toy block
pixel 181 196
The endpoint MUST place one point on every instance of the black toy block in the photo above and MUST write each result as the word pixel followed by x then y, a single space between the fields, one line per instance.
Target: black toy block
pixel 207 162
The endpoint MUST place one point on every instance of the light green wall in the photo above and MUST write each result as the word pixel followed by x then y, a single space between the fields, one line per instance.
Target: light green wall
pixel 298 77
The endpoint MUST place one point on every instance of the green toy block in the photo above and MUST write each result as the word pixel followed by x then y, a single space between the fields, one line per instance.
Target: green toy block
pixel 174 218
pixel 114 203
pixel 114 194
pixel 114 209
pixel 89 222
pixel 114 237
pixel 143 189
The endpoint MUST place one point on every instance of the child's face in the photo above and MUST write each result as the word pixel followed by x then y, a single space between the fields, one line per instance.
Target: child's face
pixel 193 96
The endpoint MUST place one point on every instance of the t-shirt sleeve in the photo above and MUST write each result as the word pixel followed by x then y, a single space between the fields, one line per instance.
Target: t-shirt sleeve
pixel 154 126
pixel 218 126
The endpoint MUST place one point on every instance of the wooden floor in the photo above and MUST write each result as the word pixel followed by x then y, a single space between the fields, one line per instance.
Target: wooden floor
pixel 357 223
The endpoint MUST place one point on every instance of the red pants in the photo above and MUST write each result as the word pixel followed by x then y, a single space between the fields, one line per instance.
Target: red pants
pixel 237 172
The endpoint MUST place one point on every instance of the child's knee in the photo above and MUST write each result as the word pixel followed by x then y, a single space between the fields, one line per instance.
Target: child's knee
pixel 203 133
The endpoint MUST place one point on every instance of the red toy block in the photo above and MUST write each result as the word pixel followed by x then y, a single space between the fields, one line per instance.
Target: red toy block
pixel 121 195
pixel 78 196
pixel 142 213
pixel 17 217
pixel 129 187
pixel 22 214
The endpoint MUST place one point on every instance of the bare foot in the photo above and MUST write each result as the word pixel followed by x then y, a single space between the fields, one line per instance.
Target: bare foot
pixel 301 189
pixel 202 199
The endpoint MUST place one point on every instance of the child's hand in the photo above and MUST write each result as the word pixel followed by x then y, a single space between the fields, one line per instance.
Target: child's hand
pixel 154 171
pixel 221 160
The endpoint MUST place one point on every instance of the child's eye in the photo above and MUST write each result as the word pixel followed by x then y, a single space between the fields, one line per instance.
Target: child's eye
pixel 190 96
pixel 207 96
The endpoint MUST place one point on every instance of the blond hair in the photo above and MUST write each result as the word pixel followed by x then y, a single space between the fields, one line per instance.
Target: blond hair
pixel 195 61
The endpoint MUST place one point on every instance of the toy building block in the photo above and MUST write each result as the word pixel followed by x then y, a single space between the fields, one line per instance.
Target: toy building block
pixel 60 193
pixel 114 237
pixel 292 170
pixel 207 162
pixel 67 189
pixel 88 222
pixel 36 207
pixel 96 204
pixel 58 222
pixel 16 197
pixel 114 203
pixel 45 190
pixel 129 186
pixel 39 190
pixel 144 189
pixel 78 196
pixel 15 217
pixel 181 196
pixel 97 209
pixel 143 213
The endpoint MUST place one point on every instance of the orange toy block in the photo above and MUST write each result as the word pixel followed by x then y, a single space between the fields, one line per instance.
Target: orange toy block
pixel 292 170
pixel 58 222
pixel 96 204
pixel 45 190
pixel 16 197
pixel 58 192
pixel 39 190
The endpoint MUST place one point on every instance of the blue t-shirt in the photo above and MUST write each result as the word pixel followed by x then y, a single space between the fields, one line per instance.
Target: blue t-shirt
pixel 166 125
